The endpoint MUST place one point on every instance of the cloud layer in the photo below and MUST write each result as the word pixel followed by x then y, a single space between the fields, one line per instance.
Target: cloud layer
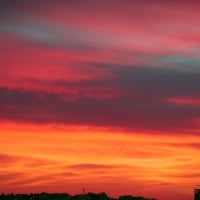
pixel 97 92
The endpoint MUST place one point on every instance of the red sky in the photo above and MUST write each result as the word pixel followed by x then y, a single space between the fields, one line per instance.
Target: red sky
pixel 103 95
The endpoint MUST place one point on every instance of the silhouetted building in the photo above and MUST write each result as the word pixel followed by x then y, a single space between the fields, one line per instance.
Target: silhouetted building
pixel 197 194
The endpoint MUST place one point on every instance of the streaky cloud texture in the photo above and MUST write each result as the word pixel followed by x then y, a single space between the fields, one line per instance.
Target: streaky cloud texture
pixel 93 92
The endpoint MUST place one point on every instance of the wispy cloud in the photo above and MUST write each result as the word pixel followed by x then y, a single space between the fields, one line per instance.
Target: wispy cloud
pixel 100 91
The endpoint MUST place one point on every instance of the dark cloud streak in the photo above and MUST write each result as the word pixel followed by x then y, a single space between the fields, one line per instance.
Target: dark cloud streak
pixel 141 104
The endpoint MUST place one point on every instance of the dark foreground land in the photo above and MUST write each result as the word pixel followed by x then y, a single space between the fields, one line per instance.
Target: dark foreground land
pixel 65 196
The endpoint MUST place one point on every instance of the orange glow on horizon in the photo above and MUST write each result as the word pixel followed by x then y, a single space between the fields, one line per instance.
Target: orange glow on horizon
pixel 39 157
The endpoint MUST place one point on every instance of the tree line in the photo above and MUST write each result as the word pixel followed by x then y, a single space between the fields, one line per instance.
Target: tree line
pixel 66 196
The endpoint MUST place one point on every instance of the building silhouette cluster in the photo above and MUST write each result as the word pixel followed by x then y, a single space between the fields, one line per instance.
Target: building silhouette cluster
pixel 65 196
pixel 197 194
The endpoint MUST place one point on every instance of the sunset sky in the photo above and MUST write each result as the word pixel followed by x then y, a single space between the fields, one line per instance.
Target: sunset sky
pixel 102 95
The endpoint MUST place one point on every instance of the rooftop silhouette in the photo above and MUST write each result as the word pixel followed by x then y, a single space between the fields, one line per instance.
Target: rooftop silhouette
pixel 197 194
